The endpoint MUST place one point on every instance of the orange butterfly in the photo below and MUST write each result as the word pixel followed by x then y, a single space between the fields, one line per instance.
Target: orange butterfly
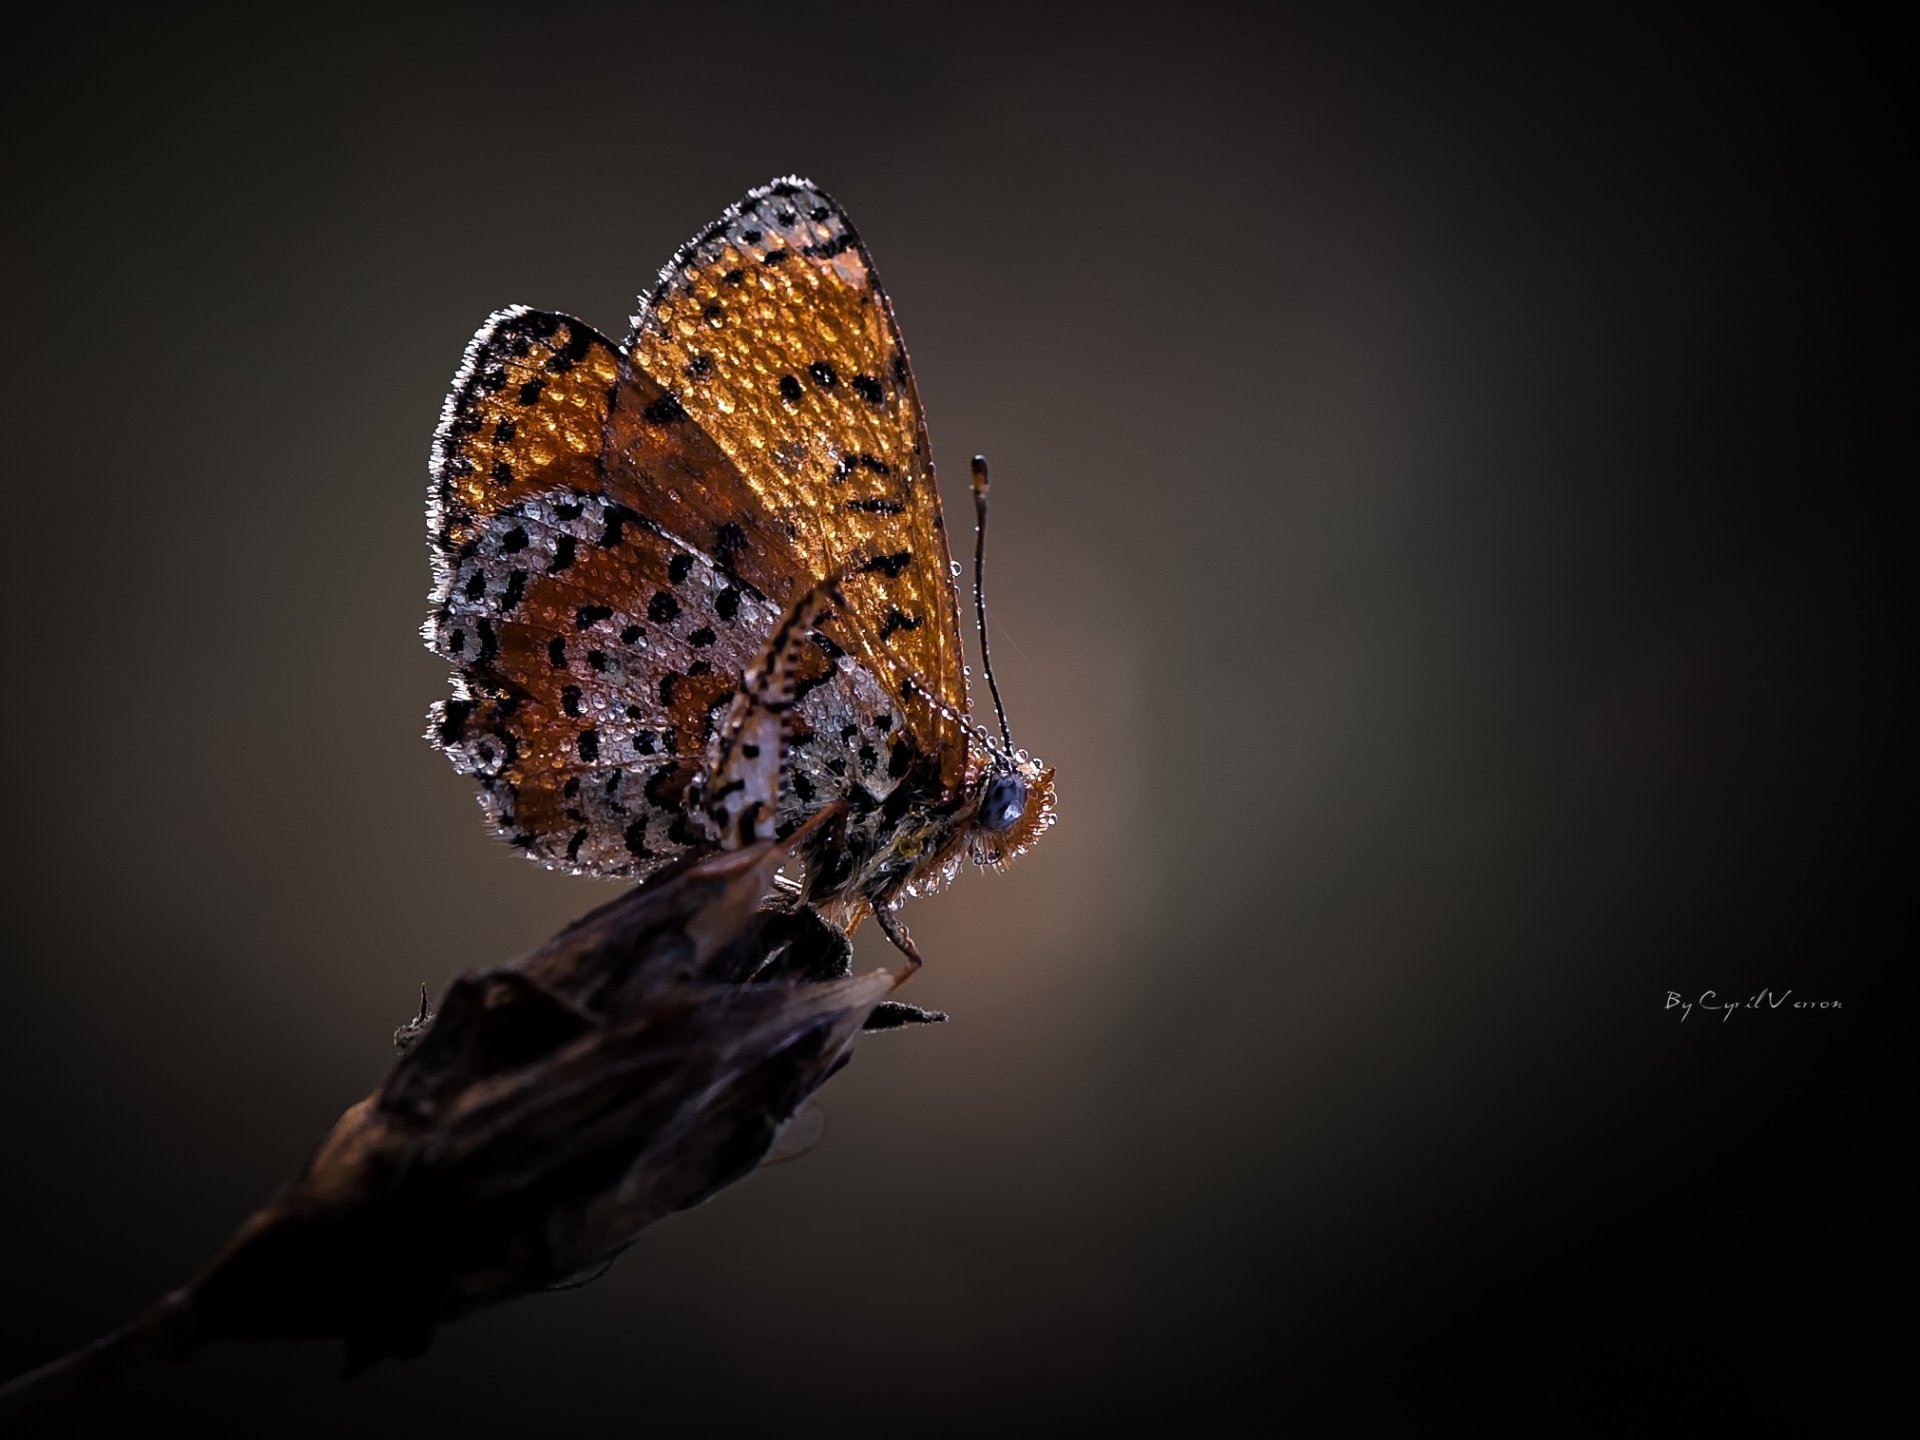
pixel 696 587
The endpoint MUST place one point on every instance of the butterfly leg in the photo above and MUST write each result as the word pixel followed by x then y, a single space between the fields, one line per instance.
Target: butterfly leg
pixel 895 929
pixel 741 795
pixel 743 781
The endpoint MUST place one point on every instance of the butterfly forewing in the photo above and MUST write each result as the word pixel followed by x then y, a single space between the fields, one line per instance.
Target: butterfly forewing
pixel 771 332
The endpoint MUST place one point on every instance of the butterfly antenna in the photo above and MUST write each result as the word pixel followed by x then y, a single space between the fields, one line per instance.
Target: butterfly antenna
pixel 980 590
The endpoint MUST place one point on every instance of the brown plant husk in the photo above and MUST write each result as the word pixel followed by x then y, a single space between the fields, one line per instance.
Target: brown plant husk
pixel 633 1065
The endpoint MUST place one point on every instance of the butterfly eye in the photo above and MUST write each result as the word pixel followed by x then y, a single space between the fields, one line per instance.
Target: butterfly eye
pixel 1003 802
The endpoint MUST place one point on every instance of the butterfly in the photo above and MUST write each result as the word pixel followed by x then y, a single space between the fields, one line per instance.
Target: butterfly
pixel 696 589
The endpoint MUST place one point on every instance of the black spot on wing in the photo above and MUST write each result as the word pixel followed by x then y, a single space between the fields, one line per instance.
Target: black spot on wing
pixel 453 720
pixel 859 460
pixel 889 565
pixel 658 787
pixel 618 517
pixel 898 620
pixel 664 411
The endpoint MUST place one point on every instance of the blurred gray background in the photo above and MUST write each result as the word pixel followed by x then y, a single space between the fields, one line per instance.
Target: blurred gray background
pixel 1444 538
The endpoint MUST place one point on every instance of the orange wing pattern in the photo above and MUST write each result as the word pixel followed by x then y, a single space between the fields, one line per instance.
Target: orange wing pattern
pixel 770 331
pixel 527 414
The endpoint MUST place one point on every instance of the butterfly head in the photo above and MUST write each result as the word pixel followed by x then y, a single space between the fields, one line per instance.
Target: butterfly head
pixel 1012 807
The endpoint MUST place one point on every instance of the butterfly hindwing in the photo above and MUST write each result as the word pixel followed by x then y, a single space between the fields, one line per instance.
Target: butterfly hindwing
pixel 595 654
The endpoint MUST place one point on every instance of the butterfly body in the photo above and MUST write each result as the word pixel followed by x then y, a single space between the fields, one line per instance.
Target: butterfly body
pixel 633 542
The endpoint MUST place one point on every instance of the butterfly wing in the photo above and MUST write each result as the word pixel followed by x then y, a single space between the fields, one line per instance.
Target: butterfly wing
pixel 770 332
pixel 617 531
pixel 527 414
pixel 591 647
